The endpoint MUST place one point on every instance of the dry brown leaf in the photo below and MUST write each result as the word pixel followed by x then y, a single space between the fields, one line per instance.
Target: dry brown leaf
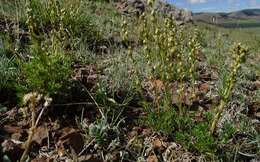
pixel 12 129
pixel 201 56
pixel 40 134
pixel 204 87
pixel 157 144
pixel 257 115
pixel 155 86
pixel 152 158
pixel 257 84
pixel 185 99
pixel 12 150
pixel 71 138
pixel 147 132
pixel 132 134
pixel 42 159
pixel 16 132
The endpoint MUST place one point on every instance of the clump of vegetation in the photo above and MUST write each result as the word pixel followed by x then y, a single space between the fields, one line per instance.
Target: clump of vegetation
pixel 169 57
pixel 173 58
pixel 164 121
pixel 148 94
pixel 46 74
pixel 8 62
pixel 198 138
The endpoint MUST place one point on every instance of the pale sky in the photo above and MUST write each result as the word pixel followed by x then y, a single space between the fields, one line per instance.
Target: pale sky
pixel 215 5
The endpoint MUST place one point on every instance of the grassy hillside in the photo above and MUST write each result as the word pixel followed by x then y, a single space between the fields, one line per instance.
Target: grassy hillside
pixel 249 36
pixel 238 19
pixel 83 81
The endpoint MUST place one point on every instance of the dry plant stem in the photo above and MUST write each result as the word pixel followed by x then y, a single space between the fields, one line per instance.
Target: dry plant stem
pixel 223 102
pixel 194 46
pixel 86 147
pixel 99 108
pixel 27 145
pixel 182 85
pixel 31 131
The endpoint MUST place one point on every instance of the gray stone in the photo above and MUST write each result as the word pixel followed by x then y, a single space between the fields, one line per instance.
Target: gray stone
pixel 161 7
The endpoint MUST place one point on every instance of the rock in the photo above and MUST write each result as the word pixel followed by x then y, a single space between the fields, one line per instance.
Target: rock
pixel 139 6
pixel 204 87
pixel 71 138
pixel 86 74
pixel 180 15
pixel 132 6
pixel 41 133
pixel 147 132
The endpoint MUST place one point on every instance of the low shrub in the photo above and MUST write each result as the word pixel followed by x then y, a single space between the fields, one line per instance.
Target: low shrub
pixel 45 73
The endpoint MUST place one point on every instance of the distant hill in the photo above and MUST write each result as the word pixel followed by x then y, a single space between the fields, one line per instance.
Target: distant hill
pixel 243 18
pixel 248 13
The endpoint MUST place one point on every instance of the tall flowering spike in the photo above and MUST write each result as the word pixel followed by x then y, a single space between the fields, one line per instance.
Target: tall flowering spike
pixel 31 20
pixel 124 30
pixel 194 47
pixel 151 2
pixel 239 54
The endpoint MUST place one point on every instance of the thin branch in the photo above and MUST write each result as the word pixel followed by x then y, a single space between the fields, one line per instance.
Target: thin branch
pixel 78 103
pixel 99 108
pixel 86 147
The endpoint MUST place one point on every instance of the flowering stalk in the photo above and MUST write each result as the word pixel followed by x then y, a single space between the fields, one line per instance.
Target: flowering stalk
pixel 181 73
pixel 194 47
pixel 171 46
pixel 33 99
pixel 240 53
pixel 32 24
pixel 164 47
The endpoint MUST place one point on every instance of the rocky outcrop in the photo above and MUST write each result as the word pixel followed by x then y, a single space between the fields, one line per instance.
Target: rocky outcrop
pixel 170 10
pixel 132 6
pixel 139 6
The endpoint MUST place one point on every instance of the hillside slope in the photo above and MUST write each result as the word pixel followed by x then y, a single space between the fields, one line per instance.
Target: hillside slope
pixel 243 18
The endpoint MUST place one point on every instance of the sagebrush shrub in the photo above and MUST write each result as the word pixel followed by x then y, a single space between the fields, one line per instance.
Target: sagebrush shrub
pixel 48 66
pixel 46 74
